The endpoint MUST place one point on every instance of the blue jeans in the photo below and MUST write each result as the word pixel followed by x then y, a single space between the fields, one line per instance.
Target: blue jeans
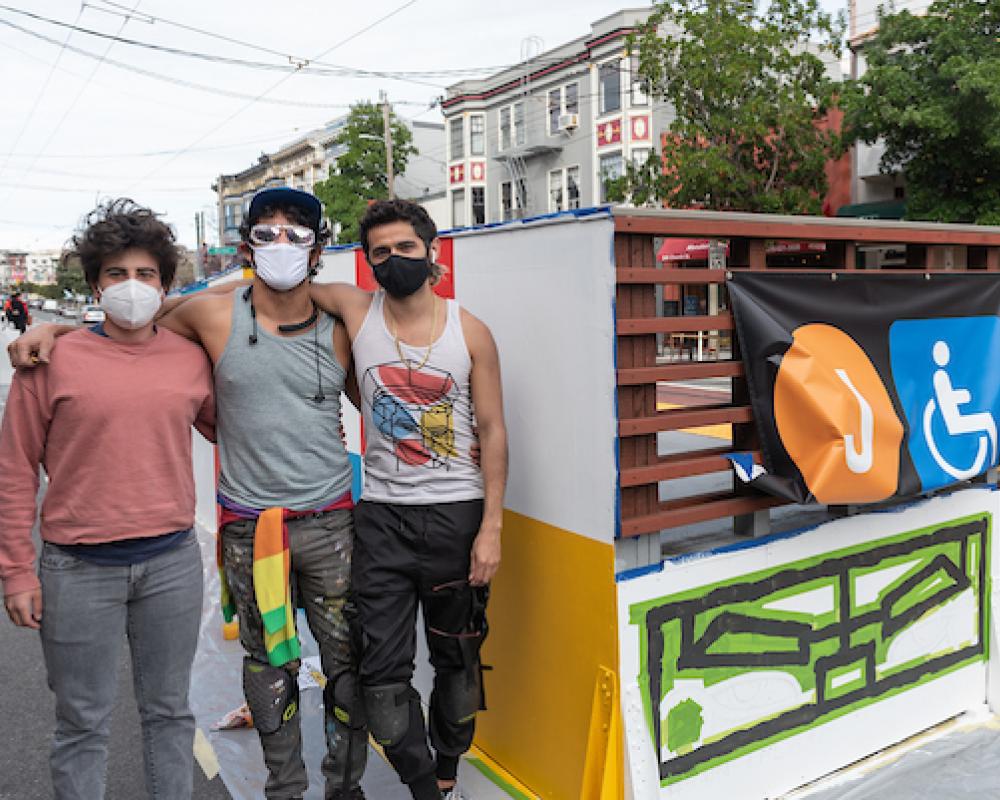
pixel 87 611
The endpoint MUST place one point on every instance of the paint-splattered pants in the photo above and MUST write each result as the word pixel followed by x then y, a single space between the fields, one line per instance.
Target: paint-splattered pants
pixel 405 555
pixel 320 548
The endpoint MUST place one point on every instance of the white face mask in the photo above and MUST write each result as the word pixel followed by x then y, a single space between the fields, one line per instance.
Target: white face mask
pixel 131 304
pixel 281 266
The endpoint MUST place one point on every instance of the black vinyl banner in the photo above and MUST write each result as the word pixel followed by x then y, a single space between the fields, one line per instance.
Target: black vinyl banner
pixel 867 386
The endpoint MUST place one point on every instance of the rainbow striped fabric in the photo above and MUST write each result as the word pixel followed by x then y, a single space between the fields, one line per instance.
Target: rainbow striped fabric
pixel 271 564
pixel 272 587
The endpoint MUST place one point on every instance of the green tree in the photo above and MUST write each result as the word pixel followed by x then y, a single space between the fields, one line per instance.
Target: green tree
pixel 358 176
pixel 42 289
pixel 932 94
pixel 69 275
pixel 749 97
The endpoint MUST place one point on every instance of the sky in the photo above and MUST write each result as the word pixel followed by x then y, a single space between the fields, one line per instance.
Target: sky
pixel 86 118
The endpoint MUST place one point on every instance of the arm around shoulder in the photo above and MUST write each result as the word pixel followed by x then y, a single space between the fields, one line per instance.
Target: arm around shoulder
pixel 35 346
pixel 192 318
pixel 339 299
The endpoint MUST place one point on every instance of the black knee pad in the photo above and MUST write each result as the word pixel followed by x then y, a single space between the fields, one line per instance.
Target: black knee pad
pixel 272 694
pixel 388 711
pixel 459 695
pixel 342 694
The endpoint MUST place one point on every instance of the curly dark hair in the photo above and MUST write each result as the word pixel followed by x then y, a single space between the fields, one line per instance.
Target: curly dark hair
pixel 294 214
pixel 119 225
pixel 382 212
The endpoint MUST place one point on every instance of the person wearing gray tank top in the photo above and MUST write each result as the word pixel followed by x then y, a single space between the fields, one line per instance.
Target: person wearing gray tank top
pixel 427 531
pixel 280 367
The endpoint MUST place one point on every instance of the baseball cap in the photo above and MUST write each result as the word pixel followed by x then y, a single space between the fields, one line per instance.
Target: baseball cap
pixel 286 196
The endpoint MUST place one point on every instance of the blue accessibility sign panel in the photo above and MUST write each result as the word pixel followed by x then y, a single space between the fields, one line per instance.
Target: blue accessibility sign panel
pixel 950 393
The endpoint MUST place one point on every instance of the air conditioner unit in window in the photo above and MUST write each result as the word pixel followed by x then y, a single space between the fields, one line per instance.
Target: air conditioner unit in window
pixel 569 122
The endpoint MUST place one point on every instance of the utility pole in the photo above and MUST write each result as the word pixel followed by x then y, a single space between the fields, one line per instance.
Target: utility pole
pixel 387 136
pixel 199 231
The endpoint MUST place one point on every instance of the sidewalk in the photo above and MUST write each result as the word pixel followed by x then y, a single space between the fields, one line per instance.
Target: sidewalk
pixel 957 761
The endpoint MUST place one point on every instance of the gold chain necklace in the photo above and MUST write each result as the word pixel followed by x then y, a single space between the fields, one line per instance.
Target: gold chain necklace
pixel 430 346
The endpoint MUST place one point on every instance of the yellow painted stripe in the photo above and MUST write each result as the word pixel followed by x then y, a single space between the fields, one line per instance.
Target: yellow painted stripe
pixel 722 431
pixel 502 779
pixel 204 754
pixel 553 623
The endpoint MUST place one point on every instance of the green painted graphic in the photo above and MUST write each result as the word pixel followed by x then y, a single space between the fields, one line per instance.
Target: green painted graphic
pixel 734 666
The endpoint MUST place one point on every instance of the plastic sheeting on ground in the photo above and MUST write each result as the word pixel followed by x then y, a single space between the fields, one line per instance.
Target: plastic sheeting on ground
pixel 961 765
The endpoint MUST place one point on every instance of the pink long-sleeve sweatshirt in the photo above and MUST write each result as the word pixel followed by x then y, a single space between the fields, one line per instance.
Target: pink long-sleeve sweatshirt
pixel 111 424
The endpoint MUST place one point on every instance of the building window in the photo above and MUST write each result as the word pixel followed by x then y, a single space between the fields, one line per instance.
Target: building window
pixel 233 215
pixel 572 187
pixel 519 130
pixel 610 168
pixel 556 190
pixel 458 208
pixel 520 196
pixel 640 156
pixel 505 128
pixel 506 201
pixel 564 189
pixel 609 77
pixel 555 110
pixel 457 131
pixel 639 97
pixel 478 205
pixel 571 98
pixel 477 135
pixel 512 129
pixel 564 100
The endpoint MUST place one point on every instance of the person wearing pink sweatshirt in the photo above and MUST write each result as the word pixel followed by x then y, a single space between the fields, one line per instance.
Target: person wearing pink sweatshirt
pixel 110 422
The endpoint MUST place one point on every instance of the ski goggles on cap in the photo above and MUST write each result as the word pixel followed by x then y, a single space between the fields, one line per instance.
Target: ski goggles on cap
pixel 265 233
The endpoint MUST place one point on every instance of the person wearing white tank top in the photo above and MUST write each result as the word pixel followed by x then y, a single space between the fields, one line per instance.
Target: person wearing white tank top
pixel 427 530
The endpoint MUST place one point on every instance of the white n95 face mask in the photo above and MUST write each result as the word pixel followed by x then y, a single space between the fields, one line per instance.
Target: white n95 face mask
pixel 281 266
pixel 131 304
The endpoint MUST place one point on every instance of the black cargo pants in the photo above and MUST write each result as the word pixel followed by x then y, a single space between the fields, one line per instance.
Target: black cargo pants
pixel 405 555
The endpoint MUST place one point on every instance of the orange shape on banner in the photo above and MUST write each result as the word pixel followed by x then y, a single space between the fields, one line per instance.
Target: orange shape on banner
pixel 835 418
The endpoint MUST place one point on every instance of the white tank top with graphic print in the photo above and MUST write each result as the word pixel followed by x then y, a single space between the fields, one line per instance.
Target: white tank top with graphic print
pixel 418 419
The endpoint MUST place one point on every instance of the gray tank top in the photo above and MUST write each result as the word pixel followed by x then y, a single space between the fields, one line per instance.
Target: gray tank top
pixel 278 445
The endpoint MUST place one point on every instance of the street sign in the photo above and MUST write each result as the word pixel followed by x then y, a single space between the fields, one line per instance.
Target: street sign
pixel 222 251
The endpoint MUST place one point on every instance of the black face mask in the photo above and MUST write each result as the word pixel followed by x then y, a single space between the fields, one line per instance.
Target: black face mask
pixel 401 276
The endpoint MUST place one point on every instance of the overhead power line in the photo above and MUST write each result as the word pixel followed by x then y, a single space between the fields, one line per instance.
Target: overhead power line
pixel 53 131
pixel 179 81
pixel 271 88
pixel 152 153
pixel 295 64
pixel 40 95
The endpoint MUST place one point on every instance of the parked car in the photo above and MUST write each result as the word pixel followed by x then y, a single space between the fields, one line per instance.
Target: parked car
pixel 35 302
pixel 51 305
pixel 71 312
pixel 92 314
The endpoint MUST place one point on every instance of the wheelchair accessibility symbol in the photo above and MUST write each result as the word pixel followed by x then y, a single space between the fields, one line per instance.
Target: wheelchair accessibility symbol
pixel 948 382
pixel 948 400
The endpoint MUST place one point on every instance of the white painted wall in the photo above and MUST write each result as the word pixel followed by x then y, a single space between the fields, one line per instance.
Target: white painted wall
pixel 825 746
pixel 546 291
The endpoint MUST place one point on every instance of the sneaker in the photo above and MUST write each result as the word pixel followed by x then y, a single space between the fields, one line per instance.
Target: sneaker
pixel 452 794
